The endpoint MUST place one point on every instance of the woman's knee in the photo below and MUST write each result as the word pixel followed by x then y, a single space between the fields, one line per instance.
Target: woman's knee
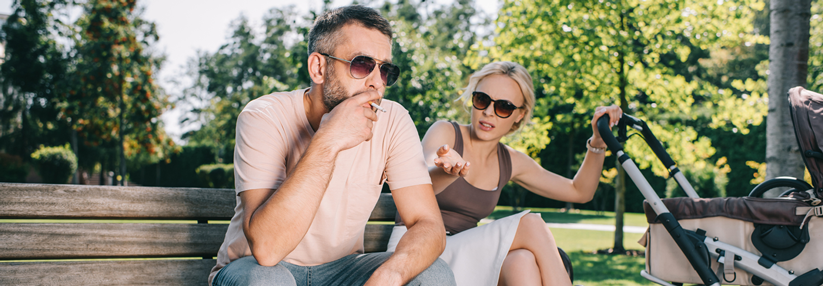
pixel 438 273
pixel 532 220
pixel 519 258
pixel 534 223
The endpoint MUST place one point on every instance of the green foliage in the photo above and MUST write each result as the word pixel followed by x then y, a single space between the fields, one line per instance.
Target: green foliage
pixel 114 75
pixel 242 70
pixel 430 43
pixel 55 164
pixel 12 168
pixel 33 73
pixel 180 169
pixel 816 47
pixel 216 176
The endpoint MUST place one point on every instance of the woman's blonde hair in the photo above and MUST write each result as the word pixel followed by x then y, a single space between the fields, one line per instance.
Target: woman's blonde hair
pixel 516 72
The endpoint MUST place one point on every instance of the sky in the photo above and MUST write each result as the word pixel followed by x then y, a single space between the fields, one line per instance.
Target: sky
pixel 186 26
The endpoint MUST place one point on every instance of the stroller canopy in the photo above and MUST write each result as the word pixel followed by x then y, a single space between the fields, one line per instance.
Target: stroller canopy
pixel 807 116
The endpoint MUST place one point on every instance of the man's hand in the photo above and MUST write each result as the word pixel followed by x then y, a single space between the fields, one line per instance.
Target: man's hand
pixel 451 162
pixel 350 123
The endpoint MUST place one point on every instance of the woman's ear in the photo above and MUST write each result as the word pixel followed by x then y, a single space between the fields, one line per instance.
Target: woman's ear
pixel 317 67
pixel 520 117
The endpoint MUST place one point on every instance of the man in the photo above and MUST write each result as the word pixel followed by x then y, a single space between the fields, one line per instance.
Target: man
pixel 310 164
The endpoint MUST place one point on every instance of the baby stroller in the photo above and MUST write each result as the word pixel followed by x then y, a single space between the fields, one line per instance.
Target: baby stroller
pixel 744 241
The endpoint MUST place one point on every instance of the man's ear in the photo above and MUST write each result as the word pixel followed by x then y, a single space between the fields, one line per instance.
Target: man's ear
pixel 317 67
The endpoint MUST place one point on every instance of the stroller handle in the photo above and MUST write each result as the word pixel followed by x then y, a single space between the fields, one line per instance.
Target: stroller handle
pixel 630 121
pixel 691 244
pixel 606 133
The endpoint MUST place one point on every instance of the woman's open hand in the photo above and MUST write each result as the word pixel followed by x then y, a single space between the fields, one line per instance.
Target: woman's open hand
pixel 451 162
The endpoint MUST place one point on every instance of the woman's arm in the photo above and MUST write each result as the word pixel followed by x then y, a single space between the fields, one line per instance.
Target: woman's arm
pixel 527 173
pixel 445 165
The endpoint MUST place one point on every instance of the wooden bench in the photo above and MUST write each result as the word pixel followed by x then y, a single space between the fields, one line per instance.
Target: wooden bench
pixel 106 235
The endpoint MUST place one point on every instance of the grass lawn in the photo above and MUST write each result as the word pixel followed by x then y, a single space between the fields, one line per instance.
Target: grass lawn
pixel 576 216
pixel 594 269
pixel 599 269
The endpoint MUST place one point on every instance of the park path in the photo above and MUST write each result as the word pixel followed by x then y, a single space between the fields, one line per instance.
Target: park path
pixel 584 226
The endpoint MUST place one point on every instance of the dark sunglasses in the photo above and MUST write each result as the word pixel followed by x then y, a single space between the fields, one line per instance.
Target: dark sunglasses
pixel 362 66
pixel 503 108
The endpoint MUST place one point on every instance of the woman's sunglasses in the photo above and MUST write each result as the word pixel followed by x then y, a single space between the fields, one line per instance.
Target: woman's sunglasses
pixel 503 108
pixel 362 66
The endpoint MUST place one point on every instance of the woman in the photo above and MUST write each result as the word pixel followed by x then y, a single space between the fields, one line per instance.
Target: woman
pixel 519 249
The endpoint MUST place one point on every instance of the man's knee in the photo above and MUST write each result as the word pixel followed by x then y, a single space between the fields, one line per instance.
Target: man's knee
pixel 246 271
pixel 438 273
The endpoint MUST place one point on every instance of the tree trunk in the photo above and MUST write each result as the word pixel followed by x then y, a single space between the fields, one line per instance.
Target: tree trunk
pixel 103 170
pixel 788 57
pixel 619 209
pixel 121 149
pixel 620 187
pixel 75 179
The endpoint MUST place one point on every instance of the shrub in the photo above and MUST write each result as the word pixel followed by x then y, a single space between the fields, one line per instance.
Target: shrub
pixel 12 169
pixel 55 164
pixel 216 176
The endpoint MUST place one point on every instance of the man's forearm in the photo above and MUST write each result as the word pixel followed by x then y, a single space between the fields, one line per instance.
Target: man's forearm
pixel 290 211
pixel 416 251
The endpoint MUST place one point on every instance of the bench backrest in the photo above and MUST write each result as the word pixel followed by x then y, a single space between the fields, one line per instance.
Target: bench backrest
pixel 77 234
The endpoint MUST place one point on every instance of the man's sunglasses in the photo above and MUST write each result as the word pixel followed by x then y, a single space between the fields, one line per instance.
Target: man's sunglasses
pixel 362 66
pixel 503 108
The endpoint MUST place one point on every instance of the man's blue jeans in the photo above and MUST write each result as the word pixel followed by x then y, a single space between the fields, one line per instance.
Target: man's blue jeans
pixel 353 269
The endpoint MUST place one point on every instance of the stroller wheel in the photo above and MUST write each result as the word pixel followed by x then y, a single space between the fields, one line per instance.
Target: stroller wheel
pixel 779 182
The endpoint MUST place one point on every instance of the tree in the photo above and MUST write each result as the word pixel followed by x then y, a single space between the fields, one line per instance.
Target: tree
pixel 429 45
pixel 643 57
pixel 33 74
pixel 242 70
pixel 816 44
pixel 114 102
pixel 788 67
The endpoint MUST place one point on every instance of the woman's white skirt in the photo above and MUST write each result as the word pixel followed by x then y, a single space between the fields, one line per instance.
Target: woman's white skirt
pixel 475 255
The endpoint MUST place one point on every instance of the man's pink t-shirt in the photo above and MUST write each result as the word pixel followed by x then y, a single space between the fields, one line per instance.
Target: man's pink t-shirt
pixel 273 133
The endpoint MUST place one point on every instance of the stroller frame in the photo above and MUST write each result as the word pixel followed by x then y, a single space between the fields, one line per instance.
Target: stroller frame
pixel 692 243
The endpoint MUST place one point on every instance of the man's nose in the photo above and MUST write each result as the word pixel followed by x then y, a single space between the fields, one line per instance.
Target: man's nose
pixel 374 80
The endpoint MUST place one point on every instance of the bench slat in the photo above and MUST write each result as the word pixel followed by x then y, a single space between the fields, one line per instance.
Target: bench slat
pixel 124 240
pixel 82 201
pixel 141 272
pixel 376 237
pixel 109 240
pixel 43 201
pixel 385 209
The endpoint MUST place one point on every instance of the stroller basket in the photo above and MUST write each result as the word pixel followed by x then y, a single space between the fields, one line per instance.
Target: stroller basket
pixel 769 228
pixel 744 241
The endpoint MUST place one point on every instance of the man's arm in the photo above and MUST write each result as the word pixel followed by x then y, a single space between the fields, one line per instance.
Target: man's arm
pixel 423 242
pixel 289 211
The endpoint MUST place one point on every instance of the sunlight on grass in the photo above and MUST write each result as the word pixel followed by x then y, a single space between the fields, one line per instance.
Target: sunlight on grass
pixel 599 269
pixel 592 240
pixel 576 216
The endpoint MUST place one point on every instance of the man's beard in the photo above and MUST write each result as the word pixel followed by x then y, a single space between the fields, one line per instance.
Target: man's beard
pixel 333 93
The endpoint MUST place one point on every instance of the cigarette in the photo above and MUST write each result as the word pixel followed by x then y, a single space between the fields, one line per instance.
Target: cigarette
pixel 376 106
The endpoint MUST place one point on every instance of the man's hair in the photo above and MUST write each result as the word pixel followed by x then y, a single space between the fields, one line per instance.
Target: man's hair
pixel 323 36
